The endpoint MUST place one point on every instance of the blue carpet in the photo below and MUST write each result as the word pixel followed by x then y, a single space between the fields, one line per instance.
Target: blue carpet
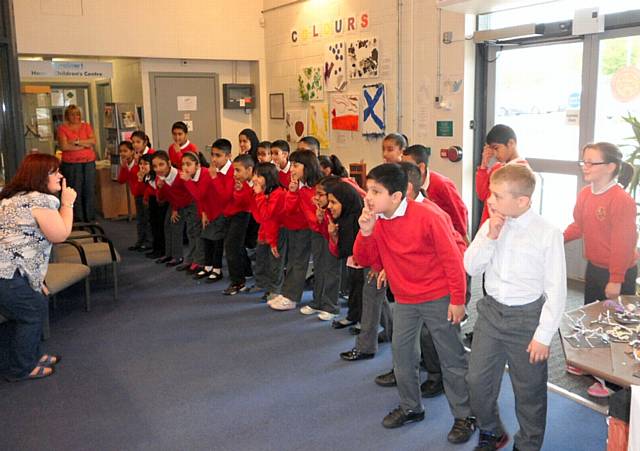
pixel 174 365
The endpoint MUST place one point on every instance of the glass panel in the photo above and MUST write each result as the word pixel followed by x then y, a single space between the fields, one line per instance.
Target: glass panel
pixel 549 12
pixel 538 95
pixel 618 90
pixel 555 197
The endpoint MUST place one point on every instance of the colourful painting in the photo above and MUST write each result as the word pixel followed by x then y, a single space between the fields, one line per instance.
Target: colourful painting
pixel 345 112
pixel 319 123
pixel 362 58
pixel 334 67
pixel 373 110
pixel 310 86
pixel 296 123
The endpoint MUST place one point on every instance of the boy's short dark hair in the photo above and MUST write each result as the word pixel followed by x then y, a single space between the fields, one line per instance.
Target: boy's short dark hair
pixel 397 139
pixel 419 153
pixel 391 176
pixel 312 141
pixel 265 144
pixel 180 126
pixel 413 175
pixel 245 160
pixel 501 134
pixel 281 144
pixel 222 144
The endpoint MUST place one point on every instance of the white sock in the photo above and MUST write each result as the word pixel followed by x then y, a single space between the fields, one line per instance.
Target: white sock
pixel 208 268
pixel 217 270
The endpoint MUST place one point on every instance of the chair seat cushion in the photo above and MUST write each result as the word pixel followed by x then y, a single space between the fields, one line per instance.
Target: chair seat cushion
pixel 97 254
pixel 63 275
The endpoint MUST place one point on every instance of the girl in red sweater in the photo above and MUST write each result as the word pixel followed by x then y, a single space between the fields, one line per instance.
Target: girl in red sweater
pixel 605 217
pixel 269 202
pixel 129 174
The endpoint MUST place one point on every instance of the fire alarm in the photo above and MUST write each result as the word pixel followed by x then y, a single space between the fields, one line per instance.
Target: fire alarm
pixel 454 153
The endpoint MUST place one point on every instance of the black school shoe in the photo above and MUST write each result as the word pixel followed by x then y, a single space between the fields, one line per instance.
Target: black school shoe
pixel 491 442
pixel 201 274
pixel 174 262
pixel 163 260
pixel 214 277
pixel 135 247
pixel 354 354
pixel 386 379
pixel 234 289
pixel 399 417
pixel 431 388
pixel 153 254
pixel 462 430
pixel 183 266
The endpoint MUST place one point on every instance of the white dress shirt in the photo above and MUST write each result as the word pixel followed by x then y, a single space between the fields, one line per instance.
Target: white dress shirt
pixel 225 168
pixel 525 262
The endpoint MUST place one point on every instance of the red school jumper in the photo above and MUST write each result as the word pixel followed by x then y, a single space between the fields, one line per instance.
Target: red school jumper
pixel 419 254
pixel 175 193
pixel 129 174
pixel 176 155
pixel 444 193
pixel 294 217
pixel 607 222
pixel 267 211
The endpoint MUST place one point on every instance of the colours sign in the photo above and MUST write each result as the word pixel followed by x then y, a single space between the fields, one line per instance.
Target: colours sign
pixel 310 86
pixel 334 67
pixel 362 58
pixel 334 27
pixel 296 123
pixel 373 110
pixel 319 123
pixel 345 112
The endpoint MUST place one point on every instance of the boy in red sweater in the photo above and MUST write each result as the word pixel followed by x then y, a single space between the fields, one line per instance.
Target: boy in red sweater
pixel 416 244
pixel 181 143
pixel 129 174
pixel 237 213
pixel 438 188
pixel 502 145
pixel 280 157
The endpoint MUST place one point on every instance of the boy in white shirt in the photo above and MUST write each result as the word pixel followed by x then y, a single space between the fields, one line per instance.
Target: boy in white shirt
pixel 522 257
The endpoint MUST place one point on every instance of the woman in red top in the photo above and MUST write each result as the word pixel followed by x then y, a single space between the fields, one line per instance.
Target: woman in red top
pixel 76 139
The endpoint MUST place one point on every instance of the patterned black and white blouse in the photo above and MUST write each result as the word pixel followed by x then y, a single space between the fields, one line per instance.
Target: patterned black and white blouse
pixel 23 246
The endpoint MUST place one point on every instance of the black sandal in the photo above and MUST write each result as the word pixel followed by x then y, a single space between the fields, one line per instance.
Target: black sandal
pixel 40 374
pixel 49 360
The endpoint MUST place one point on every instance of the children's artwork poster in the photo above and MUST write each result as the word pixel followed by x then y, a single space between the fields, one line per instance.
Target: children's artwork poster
pixel 335 67
pixel 296 123
pixel 373 110
pixel 319 123
pixel 310 86
pixel 362 58
pixel 345 112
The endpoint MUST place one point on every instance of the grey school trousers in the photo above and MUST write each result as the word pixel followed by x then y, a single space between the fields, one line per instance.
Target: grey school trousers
pixel 407 322
pixel 188 217
pixel 269 270
pixel 375 310
pixel 501 335
pixel 326 276
pixel 297 263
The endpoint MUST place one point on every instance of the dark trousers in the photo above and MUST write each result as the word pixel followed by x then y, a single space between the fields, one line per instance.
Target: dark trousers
pixel 210 246
pixel 596 279
pixel 27 309
pixel 501 335
pixel 237 258
pixel 356 277
pixel 82 178
pixel 326 276
pixel 174 232
pixel 298 253
pixel 269 271
pixel 143 224
pixel 251 239
pixel 157 213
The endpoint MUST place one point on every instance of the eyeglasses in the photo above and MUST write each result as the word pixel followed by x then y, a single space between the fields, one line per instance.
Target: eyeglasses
pixel 588 164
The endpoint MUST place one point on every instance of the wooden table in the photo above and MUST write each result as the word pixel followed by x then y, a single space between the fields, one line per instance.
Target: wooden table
pixel 111 196
pixel 611 363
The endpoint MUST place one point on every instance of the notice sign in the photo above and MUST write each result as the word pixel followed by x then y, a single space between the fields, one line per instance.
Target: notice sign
pixel 92 69
pixel 444 128
pixel 187 103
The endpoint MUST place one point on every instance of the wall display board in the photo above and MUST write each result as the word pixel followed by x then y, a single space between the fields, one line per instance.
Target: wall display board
pixel 373 110
pixel 345 112
pixel 362 58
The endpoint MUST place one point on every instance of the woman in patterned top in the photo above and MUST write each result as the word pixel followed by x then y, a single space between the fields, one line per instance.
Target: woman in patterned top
pixel 31 218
